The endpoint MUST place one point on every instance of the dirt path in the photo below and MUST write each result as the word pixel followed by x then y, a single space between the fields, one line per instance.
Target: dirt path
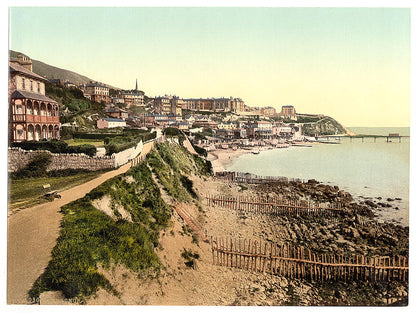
pixel 32 234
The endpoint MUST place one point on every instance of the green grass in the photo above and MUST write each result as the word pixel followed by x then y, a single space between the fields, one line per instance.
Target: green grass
pixel 27 192
pixel 171 164
pixel 90 238
pixel 78 142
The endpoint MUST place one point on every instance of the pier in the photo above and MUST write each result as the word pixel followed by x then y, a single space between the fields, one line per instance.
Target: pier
pixel 392 137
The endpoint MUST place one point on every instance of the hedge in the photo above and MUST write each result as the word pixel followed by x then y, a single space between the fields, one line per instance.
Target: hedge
pixel 55 146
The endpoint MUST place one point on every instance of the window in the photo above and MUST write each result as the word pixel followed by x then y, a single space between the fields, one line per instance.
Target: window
pixel 31 85
pixel 23 84
pixel 38 87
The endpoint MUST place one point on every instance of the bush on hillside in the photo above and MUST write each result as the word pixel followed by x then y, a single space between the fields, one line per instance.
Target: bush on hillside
pixel 199 150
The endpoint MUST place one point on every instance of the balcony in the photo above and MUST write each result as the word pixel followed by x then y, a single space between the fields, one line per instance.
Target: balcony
pixel 29 118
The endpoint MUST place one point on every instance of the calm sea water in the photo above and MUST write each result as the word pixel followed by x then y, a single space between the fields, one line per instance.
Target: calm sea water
pixel 365 169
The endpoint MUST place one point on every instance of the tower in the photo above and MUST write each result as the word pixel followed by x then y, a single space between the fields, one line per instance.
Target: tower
pixel 136 85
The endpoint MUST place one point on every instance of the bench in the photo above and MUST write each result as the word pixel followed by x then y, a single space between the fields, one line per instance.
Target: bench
pixel 50 193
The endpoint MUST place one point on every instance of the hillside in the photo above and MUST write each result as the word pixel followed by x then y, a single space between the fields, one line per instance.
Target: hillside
pixel 53 72
pixel 324 126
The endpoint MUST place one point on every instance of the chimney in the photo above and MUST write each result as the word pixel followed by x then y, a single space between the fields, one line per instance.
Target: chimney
pixel 24 61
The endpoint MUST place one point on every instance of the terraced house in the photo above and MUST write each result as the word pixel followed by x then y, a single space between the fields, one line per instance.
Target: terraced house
pixel 32 115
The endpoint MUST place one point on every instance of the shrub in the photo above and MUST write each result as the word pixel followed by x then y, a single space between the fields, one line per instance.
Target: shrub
pixel 189 185
pixel 200 151
pixel 190 257
pixel 56 146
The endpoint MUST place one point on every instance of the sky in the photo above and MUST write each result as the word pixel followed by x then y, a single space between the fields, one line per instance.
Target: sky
pixel 349 63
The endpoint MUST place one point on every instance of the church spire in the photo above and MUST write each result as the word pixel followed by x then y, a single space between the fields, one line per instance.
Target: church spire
pixel 136 85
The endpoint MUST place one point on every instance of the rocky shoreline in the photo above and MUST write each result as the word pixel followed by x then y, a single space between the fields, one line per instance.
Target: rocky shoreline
pixel 354 231
pixel 358 230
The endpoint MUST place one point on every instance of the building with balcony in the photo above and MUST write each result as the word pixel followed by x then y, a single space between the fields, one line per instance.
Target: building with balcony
pixel 132 98
pixel 32 115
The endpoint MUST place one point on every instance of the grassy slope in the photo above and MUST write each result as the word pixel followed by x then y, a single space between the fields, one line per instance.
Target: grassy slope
pixel 90 238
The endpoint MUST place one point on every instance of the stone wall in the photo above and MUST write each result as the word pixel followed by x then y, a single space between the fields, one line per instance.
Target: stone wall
pixel 18 158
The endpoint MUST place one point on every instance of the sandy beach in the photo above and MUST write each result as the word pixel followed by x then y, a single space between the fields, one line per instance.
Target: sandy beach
pixel 221 158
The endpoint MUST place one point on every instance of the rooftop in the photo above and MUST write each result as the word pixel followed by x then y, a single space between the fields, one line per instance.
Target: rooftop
pixel 16 68
pixel 96 85
pixel 113 120
pixel 20 94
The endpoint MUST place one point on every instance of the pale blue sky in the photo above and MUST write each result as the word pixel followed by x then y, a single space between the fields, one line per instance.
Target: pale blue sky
pixel 350 63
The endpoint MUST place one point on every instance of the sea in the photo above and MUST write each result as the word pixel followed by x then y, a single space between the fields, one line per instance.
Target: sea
pixel 367 169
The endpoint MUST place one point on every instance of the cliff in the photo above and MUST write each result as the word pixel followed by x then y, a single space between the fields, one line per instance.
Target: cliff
pixel 325 126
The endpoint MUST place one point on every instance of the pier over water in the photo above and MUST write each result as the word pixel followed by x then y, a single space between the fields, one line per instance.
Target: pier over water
pixel 391 137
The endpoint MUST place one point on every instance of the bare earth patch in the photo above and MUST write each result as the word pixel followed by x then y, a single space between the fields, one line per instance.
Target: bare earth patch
pixel 105 205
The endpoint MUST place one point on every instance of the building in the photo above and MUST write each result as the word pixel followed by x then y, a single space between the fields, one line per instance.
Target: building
pixel 117 113
pixel 117 100
pixel 68 84
pixel 288 111
pixel 231 104
pixel 176 105
pixel 97 92
pixel 168 105
pixel 110 123
pixel 259 129
pixel 240 133
pixel 226 126
pixel 162 105
pixel 206 123
pixel 32 115
pixel 132 98
pixel 268 111
pixel 181 126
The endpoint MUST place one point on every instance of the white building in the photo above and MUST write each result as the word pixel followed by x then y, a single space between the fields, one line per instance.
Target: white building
pixel 110 123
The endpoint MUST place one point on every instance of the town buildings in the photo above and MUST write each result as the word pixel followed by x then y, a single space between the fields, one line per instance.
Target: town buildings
pixel 32 115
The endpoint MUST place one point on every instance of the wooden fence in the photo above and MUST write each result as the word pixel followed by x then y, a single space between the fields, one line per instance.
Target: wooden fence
pixel 137 160
pixel 274 206
pixel 249 178
pixel 297 262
